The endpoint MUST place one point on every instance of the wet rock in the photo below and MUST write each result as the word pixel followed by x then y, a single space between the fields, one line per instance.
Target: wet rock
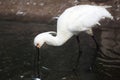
pixel 32 10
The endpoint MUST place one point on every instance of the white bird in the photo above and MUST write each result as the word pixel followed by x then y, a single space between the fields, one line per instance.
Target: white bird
pixel 72 21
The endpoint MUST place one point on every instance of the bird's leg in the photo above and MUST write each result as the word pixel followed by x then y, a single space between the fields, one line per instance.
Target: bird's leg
pixel 79 53
pixel 78 58
pixel 90 32
pixel 97 47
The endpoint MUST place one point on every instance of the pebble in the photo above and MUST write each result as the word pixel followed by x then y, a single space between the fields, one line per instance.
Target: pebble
pixel 118 18
pixel 34 3
pixel 21 76
pixel 12 10
pixel 20 13
pixel 64 78
pixel 41 4
pixel 28 3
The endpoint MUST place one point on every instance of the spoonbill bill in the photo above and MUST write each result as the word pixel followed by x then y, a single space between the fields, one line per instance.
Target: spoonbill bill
pixel 72 21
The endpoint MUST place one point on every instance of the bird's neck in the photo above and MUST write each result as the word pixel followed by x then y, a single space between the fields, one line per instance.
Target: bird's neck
pixel 57 40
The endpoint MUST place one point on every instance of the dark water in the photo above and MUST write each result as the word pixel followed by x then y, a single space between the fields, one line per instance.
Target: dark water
pixel 17 53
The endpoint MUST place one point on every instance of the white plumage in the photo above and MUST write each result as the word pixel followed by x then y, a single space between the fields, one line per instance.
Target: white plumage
pixel 72 21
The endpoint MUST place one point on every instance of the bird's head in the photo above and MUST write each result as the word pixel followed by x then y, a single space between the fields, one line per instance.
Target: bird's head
pixel 40 39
